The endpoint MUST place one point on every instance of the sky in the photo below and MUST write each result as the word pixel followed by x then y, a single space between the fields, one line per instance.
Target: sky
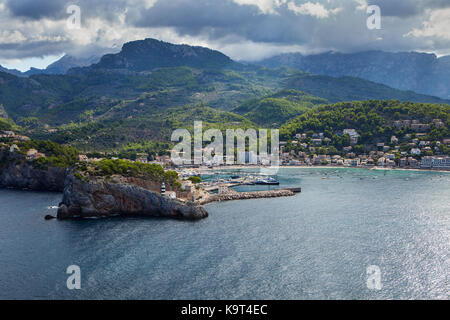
pixel 34 33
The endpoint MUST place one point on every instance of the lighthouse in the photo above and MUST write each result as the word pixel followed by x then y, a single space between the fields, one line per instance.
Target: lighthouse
pixel 163 189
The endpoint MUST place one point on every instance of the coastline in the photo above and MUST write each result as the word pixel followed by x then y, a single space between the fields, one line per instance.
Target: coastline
pixel 245 167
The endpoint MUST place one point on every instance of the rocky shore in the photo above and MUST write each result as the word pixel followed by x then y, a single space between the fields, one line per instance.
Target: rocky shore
pixel 95 198
pixel 99 198
pixel 18 173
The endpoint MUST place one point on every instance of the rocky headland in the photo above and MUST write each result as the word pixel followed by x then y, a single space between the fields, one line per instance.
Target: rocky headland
pixel 87 197
pixel 100 198
pixel 18 173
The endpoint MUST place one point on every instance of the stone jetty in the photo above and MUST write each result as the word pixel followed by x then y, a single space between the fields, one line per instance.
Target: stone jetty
pixel 233 195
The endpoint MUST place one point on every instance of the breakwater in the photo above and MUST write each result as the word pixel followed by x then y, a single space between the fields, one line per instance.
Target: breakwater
pixel 233 195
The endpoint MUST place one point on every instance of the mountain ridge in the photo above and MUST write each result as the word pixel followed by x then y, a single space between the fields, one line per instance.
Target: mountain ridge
pixel 59 67
pixel 423 73
pixel 135 96
pixel 149 54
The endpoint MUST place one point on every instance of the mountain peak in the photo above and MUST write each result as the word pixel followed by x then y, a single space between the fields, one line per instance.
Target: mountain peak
pixel 148 54
pixel 64 64
pixel 11 71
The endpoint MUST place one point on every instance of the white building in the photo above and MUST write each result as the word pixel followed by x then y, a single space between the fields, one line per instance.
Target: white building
pixel 13 148
pixel 435 162
pixel 171 194
pixel 354 136
pixel 394 140
pixel 31 154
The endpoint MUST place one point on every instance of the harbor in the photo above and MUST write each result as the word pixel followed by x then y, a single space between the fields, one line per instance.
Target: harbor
pixel 221 188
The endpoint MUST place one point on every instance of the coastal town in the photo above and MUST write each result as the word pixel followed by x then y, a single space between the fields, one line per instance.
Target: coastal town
pixel 410 151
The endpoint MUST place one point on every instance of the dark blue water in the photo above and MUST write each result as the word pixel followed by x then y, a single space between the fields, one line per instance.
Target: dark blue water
pixel 316 245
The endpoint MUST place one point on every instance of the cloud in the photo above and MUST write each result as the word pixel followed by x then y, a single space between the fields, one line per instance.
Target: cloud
pixel 436 26
pixel 265 6
pixel 11 37
pixel 312 9
pixel 253 51
pixel 407 8
pixel 244 29
pixel 35 10
pixel 362 4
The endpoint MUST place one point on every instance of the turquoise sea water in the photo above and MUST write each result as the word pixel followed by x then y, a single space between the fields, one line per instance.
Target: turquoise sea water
pixel 316 245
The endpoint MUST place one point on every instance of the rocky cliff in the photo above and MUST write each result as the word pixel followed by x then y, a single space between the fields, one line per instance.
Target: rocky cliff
pixel 17 173
pixel 95 198
pixel 148 54
pixel 100 198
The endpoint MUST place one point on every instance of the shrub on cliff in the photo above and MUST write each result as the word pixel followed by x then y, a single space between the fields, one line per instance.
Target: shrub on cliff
pixel 4 125
pixel 56 154
pixel 126 168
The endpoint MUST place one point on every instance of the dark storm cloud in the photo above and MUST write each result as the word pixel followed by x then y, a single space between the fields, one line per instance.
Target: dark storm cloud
pixel 56 9
pixel 397 8
pixel 36 9
pixel 220 18
pixel 35 49
pixel 407 8
pixel 315 25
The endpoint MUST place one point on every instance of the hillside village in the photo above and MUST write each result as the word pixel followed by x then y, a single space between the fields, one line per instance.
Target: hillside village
pixel 412 150
pixel 408 151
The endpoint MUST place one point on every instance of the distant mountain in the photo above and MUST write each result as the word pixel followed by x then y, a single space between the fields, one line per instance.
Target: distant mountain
pixel 148 54
pixel 336 89
pixel 64 64
pixel 420 72
pixel 152 86
pixel 11 71
pixel 61 66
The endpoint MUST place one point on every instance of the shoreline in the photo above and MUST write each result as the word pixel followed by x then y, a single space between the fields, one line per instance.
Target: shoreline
pixel 258 167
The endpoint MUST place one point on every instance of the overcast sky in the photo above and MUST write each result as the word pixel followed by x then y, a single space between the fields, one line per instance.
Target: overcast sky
pixel 35 32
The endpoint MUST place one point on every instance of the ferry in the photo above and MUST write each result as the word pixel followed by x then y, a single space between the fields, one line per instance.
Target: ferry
pixel 268 181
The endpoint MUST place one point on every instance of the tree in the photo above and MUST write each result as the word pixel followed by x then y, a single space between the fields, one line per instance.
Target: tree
pixel 195 180
pixel 332 150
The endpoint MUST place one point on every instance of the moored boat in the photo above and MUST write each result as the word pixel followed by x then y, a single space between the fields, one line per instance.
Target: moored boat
pixel 268 181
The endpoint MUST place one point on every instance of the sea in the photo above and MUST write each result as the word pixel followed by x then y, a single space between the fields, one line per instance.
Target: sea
pixel 350 234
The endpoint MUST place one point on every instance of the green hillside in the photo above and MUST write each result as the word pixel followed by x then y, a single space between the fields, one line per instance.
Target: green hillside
pixel 274 110
pixel 108 134
pixel 56 100
pixel 152 87
pixel 351 89
pixel 373 120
